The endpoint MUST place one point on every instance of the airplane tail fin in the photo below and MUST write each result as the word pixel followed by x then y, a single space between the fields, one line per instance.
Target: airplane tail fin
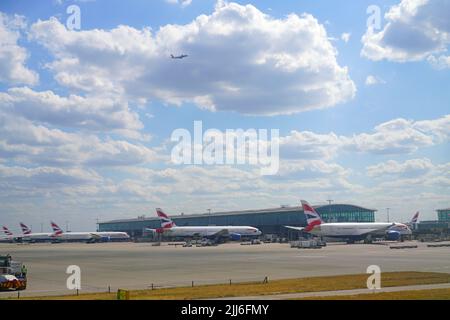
pixel 7 232
pixel 415 217
pixel 25 229
pixel 312 217
pixel 166 222
pixel 56 229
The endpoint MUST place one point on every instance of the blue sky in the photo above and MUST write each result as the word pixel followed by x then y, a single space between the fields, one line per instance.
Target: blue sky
pixel 87 114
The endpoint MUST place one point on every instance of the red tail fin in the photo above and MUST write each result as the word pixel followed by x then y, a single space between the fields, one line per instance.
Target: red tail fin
pixel 312 217
pixel 6 231
pixel 25 229
pixel 56 229
pixel 166 222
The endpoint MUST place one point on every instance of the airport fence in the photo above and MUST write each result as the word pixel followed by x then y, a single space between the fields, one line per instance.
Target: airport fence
pixel 146 285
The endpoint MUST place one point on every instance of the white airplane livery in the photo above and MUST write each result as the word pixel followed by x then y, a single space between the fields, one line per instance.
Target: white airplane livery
pixel 9 235
pixel 351 231
pixel 400 230
pixel 88 236
pixel 30 236
pixel 415 218
pixel 170 229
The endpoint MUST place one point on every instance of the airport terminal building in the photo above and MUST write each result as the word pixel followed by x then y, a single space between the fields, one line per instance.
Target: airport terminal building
pixel 269 221
pixel 443 215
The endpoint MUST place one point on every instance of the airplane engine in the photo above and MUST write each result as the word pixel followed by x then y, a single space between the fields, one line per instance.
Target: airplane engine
pixel 235 236
pixel 393 235
pixel 105 239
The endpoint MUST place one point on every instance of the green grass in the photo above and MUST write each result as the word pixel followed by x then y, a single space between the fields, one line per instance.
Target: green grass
pixel 428 294
pixel 314 284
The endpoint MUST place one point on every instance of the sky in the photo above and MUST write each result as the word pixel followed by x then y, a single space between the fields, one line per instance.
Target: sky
pixel 89 100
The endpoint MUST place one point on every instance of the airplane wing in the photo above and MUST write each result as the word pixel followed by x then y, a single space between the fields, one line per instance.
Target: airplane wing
pixel 221 233
pixel 295 228
pixel 95 236
pixel 377 231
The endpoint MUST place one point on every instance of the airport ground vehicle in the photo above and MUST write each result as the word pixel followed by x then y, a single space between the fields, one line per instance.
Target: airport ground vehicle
pixel 308 244
pixel 12 275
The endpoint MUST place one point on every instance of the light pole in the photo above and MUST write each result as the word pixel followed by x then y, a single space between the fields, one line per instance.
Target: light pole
pixel 387 210
pixel 209 217
pixel 330 201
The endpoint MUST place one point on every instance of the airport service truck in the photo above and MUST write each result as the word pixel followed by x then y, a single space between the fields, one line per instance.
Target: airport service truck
pixel 12 276
pixel 308 244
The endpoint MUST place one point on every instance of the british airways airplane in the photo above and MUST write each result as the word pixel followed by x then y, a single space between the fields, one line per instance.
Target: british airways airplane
pixel 96 236
pixel 9 236
pixel 350 231
pixel 170 229
pixel 29 236
pixel 179 57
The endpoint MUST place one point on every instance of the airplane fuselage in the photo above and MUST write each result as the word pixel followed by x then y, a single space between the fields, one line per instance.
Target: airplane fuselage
pixel 93 236
pixel 350 229
pixel 36 237
pixel 209 231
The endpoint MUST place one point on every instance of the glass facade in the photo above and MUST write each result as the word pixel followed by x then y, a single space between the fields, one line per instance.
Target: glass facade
pixel 270 221
pixel 444 215
pixel 345 213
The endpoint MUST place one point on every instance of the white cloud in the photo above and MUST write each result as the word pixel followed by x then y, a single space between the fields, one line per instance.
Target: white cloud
pixel 12 56
pixel 97 113
pixel 346 37
pixel 240 59
pixel 27 143
pixel 372 80
pixel 397 136
pixel 415 30
pixel 309 145
pixel 408 169
pixel 439 128
pixel 46 177
pixel 393 137
pixel 182 3
pixel 442 62
pixel 408 175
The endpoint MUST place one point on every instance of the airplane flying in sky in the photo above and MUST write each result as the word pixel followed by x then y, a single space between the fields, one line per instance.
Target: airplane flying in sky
pixel 170 229
pixel 350 231
pixel 179 57
pixel 88 236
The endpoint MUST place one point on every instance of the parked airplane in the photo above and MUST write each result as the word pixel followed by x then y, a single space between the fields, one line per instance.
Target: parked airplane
pixel 179 57
pixel 60 235
pixel 168 228
pixel 9 236
pixel 29 236
pixel 351 231
pixel 415 218
pixel 399 231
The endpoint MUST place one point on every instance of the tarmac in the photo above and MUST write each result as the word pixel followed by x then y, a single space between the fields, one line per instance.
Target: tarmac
pixel 109 266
